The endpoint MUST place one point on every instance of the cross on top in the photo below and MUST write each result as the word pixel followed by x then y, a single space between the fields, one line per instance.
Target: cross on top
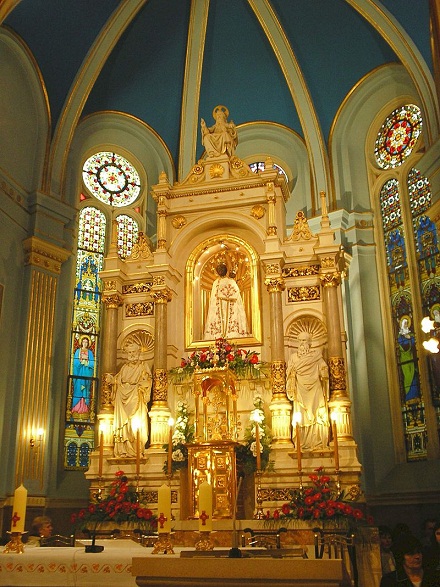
pixel 203 516
pixel 162 519
pixel 15 519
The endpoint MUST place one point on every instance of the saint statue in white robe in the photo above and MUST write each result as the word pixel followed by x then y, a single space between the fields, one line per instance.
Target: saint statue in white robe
pixel 131 394
pixel 226 314
pixel 307 388
pixel 221 138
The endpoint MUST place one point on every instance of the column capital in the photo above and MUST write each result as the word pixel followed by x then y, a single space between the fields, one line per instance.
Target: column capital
pixel 44 255
pixel 112 301
pixel 274 284
pixel 162 296
pixel 330 279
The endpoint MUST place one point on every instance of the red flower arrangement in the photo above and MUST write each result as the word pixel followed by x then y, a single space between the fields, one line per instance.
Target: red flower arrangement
pixel 122 504
pixel 244 363
pixel 318 502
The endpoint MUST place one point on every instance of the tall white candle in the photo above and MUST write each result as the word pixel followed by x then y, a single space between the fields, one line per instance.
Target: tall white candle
pixel 205 507
pixel 170 447
pixel 19 509
pixel 164 509
pixel 258 445
pixel 335 439
pixel 297 421
pixel 101 453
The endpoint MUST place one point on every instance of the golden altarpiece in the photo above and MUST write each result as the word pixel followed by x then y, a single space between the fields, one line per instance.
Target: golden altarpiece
pixel 223 213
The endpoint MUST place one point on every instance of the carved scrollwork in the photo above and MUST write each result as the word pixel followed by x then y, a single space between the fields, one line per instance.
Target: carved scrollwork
pixel 304 293
pixel 278 376
pixel 160 385
pixel 337 377
pixel 112 301
pixel 139 309
pixel 303 271
pixel 275 284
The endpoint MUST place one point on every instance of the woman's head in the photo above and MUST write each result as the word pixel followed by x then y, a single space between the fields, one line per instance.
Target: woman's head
pixel 408 551
pixel 42 526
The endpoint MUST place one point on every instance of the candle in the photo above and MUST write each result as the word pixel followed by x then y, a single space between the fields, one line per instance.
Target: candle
pixel 136 426
pixel 297 421
pixel 258 445
pixel 205 507
pixel 101 452
pixel 19 509
pixel 335 439
pixel 164 509
pixel 170 448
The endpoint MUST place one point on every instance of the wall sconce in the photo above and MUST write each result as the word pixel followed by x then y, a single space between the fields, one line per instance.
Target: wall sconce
pixel 429 327
pixel 36 442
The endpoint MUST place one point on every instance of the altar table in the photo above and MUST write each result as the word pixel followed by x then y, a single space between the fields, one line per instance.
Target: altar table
pixel 71 566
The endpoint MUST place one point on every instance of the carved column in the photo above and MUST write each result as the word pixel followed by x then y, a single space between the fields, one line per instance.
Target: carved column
pixel 339 399
pixel 43 263
pixel 161 222
pixel 280 406
pixel 160 412
pixel 109 343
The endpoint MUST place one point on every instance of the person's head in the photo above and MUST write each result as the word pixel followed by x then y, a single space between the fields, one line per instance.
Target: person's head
pixel 435 535
pixel 304 343
pixel 221 269
pixel 42 526
pixel 428 527
pixel 385 537
pixel 85 342
pixel 408 552
pixel 133 352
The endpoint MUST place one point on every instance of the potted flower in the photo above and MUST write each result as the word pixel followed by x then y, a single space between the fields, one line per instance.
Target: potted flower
pixel 246 453
pixel 182 435
pixel 122 505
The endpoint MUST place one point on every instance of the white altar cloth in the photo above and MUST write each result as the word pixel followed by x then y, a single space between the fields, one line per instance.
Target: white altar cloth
pixel 72 566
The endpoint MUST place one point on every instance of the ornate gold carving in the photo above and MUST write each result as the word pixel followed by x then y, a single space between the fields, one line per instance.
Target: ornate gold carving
pixel 275 284
pixel 301 230
pixel 303 293
pixel 141 249
pixel 330 279
pixel 271 231
pixel 236 163
pixel 216 170
pixel 179 221
pixel 353 493
pixel 112 301
pixel 278 377
pixel 109 285
pixel 258 211
pixel 158 280
pixel 197 169
pixel 162 296
pixel 139 287
pixel 106 393
pixel 139 309
pixel 160 385
pixel 44 255
pixel 337 377
pixel 328 262
pixel 303 271
pixel 268 494
pixel 273 269
pixel 161 243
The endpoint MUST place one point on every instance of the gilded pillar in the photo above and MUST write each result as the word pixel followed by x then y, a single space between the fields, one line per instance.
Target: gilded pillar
pixel 112 301
pixel 161 223
pixel 271 201
pixel 339 400
pixel 280 406
pixel 43 261
pixel 160 412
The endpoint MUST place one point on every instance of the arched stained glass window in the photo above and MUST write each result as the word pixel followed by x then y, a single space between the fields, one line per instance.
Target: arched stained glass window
pixel 128 232
pixel 403 320
pixel 112 179
pixel 82 380
pixel 397 136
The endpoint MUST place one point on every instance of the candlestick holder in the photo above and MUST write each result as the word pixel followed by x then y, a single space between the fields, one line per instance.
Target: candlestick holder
pixel 163 544
pixel 204 543
pixel 259 514
pixel 338 480
pixel 15 544
pixel 300 473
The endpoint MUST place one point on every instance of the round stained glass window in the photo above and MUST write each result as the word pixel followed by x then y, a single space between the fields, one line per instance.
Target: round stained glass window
pixel 397 136
pixel 112 179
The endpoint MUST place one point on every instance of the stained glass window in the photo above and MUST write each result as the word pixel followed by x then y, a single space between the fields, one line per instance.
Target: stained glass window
pixel 398 136
pixel 403 320
pixel 82 380
pixel 112 179
pixel 128 232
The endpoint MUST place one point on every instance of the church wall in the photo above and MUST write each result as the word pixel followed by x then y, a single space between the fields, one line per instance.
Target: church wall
pixel 25 118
